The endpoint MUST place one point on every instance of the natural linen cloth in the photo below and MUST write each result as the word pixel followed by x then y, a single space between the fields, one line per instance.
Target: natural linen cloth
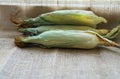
pixel 38 63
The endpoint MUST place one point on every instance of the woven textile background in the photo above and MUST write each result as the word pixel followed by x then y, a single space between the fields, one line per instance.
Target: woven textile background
pixel 38 63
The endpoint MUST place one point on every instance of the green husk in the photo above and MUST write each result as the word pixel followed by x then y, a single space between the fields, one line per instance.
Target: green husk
pixel 38 30
pixel 65 39
pixel 113 33
pixel 64 17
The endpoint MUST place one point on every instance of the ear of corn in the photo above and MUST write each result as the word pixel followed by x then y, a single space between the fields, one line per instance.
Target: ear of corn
pixel 66 39
pixel 38 30
pixel 64 17
pixel 104 32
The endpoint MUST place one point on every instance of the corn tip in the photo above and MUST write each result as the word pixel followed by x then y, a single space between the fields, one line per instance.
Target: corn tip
pixel 21 29
pixel 104 20
pixel 15 20
pixel 18 42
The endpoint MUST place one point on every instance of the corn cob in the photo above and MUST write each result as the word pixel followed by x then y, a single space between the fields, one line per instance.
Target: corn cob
pixel 62 17
pixel 68 39
pixel 38 30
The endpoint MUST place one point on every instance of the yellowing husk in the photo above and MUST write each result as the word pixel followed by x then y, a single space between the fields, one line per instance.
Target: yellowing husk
pixel 65 39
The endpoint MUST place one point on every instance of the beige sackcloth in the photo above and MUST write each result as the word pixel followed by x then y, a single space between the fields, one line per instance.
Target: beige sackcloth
pixel 38 63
